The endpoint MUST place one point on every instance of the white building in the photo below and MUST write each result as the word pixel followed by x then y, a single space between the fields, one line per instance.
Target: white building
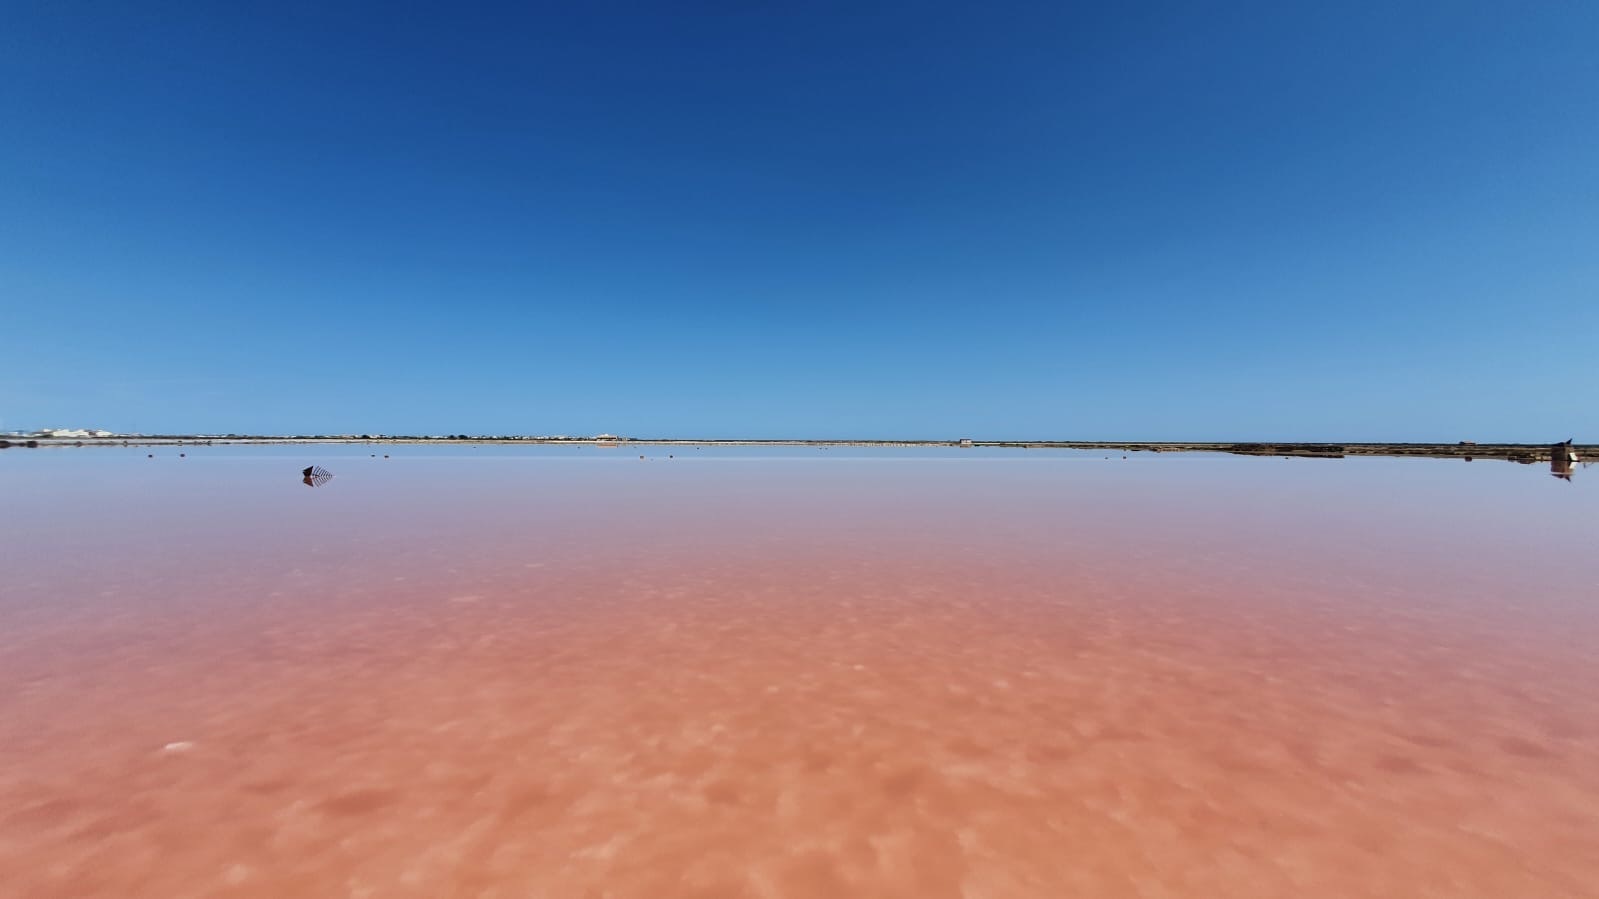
pixel 73 433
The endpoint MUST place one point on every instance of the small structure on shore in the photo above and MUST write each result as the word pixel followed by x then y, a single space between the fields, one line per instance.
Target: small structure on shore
pixel 1561 458
pixel 966 443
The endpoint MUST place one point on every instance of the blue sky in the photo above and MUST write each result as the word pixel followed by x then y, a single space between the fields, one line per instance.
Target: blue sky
pixel 1184 221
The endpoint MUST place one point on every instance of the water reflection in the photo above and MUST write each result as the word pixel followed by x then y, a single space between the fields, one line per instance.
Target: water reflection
pixel 316 476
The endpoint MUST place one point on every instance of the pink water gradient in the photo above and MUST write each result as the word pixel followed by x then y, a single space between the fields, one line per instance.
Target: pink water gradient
pixel 494 676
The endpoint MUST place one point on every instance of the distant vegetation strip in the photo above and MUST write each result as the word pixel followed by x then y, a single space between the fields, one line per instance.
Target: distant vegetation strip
pixel 1515 452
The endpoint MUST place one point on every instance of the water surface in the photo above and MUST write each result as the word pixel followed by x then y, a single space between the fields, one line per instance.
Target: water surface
pixel 519 671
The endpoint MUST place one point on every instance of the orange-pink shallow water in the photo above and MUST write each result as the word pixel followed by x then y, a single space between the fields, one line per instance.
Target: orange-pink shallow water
pixel 523 674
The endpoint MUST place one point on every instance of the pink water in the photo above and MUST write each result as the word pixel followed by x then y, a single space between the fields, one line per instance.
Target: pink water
pixel 496 674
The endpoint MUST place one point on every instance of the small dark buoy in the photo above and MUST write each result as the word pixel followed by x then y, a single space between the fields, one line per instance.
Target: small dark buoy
pixel 670 456
pixel 385 455
pixel 150 456
pixel 641 458
pixel 183 455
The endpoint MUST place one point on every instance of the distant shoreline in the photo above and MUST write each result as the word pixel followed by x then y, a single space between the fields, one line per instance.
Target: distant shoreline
pixel 1513 452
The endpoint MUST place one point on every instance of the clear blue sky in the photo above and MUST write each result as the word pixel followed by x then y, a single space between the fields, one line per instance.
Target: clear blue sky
pixel 1091 220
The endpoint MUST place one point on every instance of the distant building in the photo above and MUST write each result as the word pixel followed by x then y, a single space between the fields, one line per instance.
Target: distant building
pixel 966 442
pixel 76 433
pixel 1561 456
